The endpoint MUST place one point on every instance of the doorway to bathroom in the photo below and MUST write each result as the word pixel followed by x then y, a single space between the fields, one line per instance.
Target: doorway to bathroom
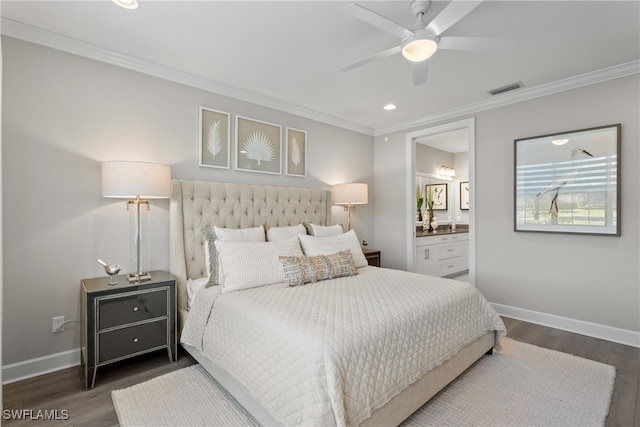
pixel 443 154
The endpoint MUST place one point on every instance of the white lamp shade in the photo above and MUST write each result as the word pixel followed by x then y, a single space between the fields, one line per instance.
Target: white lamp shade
pixel 128 180
pixel 350 194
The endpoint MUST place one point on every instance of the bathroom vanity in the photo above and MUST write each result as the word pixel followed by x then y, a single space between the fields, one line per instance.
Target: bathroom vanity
pixel 443 253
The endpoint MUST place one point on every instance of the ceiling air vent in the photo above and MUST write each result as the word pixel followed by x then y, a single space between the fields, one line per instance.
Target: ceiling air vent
pixel 507 88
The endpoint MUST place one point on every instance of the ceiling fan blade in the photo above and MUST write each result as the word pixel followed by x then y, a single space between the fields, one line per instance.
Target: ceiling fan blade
pixel 371 17
pixel 480 44
pixel 371 58
pixel 455 11
pixel 419 71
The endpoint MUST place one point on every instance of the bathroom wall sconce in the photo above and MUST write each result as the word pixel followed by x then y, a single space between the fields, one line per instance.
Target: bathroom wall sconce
pixel 447 171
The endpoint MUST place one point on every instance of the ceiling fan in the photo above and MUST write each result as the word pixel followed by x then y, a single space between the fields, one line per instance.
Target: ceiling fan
pixel 422 42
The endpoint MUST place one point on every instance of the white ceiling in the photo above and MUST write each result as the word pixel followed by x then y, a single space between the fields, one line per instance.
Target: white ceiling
pixel 288 53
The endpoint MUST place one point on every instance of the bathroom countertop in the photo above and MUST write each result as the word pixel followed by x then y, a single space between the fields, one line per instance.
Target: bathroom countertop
pixel 441 231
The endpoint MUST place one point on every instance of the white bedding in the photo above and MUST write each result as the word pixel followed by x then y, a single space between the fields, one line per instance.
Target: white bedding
pixel 331 352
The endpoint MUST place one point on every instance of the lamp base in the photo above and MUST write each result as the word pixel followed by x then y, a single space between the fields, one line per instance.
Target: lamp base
pixel 139 277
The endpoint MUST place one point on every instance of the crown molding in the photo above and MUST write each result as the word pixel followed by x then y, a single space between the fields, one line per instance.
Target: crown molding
pixel 57 41
pixel 519 95
pixel 28 33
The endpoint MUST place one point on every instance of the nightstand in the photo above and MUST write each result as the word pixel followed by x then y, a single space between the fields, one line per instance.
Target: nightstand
pixel 126 320
pixel 372 256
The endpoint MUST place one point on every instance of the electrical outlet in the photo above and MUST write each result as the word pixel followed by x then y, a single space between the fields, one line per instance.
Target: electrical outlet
pixel 57 324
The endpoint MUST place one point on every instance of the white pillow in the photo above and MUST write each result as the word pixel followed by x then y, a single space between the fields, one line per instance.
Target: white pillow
pixel 325 230
pixel 245 265
pixel 313 246
pixel 254 234
pixel 280 233
pixel 193 286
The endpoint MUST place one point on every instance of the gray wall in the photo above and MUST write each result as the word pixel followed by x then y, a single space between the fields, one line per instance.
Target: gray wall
pixel 63 115
pixel 587 278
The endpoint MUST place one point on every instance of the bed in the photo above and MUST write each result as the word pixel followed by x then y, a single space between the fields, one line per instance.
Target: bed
pixel 342 351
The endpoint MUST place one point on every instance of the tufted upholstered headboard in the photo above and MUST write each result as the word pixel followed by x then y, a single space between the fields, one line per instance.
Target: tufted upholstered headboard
pixel 196 204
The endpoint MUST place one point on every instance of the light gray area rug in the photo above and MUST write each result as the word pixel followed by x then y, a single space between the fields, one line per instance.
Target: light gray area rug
pixel 523 385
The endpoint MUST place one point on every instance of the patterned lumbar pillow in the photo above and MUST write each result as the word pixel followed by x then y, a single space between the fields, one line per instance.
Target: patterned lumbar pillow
pixel 299 270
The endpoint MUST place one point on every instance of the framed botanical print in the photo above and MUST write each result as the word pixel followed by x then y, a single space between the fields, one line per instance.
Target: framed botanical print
pixel 296 152
pixel 569 182
pixel 258 146
pixel 215 141
pixel 438 194
pixel 464 196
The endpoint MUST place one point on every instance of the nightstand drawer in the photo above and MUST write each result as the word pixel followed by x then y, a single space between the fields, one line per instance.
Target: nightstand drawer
pixel 135 307
pixel 134 339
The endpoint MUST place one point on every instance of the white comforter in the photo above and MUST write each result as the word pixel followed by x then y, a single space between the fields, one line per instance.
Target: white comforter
pixel 331 352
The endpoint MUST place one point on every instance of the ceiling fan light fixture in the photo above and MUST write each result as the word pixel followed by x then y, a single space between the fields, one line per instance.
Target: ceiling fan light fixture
pixel 419 47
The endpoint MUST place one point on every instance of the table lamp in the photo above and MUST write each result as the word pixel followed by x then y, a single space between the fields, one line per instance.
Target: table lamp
pixel 138 182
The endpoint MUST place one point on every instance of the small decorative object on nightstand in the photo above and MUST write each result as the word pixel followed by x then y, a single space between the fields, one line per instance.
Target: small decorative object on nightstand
pixel 372 256
pixel 111 270
pixel 119 322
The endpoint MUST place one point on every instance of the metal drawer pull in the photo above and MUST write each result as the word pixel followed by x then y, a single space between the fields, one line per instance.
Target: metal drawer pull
pixel 450 266
pixel 135 308
pixel 426 254
pixel 449 250
pixel 135 339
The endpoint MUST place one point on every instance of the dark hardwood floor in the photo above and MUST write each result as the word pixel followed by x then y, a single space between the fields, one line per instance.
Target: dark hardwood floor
pixel 65 390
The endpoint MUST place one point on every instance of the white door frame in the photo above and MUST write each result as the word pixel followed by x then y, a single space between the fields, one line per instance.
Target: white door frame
pixel 470 125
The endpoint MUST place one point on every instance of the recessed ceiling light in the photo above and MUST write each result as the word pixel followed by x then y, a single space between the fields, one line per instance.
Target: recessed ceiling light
pixel 390 107
pixel 559 141
pixel 127 4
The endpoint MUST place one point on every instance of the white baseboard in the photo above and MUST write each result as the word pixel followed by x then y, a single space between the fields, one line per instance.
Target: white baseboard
pixel 609 333
pixel 66 359
pixel 39 366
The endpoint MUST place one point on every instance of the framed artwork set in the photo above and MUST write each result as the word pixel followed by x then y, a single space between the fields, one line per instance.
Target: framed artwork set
pixel 258 145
